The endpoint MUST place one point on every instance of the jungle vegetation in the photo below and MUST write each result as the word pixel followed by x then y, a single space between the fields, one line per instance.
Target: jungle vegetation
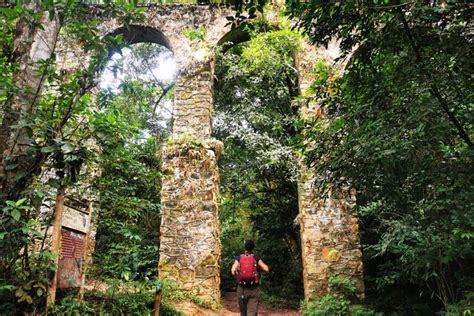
pixel 397 128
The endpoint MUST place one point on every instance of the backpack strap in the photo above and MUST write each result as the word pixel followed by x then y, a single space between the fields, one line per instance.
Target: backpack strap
pixel 253 255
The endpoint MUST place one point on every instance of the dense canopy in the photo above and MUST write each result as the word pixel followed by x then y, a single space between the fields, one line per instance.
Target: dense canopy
pixel 394 126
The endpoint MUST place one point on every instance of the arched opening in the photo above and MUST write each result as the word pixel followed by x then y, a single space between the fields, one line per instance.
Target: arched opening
pixel 135 102
pixel 234 37
pixel 255 85
pixel 142 34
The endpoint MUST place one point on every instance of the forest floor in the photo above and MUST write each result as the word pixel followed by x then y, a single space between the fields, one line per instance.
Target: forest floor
pixel 231 307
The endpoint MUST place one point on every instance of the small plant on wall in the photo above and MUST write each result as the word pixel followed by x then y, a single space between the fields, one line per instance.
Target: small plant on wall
pixel 193 34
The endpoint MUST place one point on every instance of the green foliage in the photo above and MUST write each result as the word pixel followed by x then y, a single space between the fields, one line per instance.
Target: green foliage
pixel 130 212
pixel 253 117
pixel 8 17
pixel 97 303
pixel 342 286
pixel 322 72
pixel 56 135
pixel 235 228
pixel 54 125
pixel 24 276
pixel 338 301
pixel 464 307
pixel 172 293
pixel 271 52
pixel 363 311
pixel 129 184
pixel 327 305
pixel 125 303
pixel 198 34
pixel 388 134
pixel 121 298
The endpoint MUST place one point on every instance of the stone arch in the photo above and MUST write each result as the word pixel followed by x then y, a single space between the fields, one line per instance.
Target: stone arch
pixel 142 34
pixel 329 230
pixel 189 232
pixel 234 37
pixel 136 34
pixel 231 39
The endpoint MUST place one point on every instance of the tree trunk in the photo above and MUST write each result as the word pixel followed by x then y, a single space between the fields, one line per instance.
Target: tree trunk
pixel 56 244
pixel 32 46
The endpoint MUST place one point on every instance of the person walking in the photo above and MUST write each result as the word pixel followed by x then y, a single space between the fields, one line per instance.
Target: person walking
pixel 246 269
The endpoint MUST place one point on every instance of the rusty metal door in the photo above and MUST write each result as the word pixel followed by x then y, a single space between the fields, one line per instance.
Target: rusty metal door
pixel 70 261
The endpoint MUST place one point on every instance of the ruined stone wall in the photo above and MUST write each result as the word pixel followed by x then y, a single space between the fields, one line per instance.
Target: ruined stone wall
pixel 176 23
pixel 330 243
pixel 329 240
pixel 189 233
pixel 190 245
pixel 193 102
pixel 33 46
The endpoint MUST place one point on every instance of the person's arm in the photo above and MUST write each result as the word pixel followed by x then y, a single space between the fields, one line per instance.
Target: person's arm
pixel 263 266
pixel 235 267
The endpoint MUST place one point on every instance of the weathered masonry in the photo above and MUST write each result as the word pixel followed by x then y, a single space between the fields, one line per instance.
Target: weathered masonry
pixel 330 244
pixel 189 234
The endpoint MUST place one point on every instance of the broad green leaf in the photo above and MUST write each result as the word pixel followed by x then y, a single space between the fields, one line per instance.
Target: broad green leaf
pixel 20 202
pixel 48 149
pixel 67 148
pixel 16 214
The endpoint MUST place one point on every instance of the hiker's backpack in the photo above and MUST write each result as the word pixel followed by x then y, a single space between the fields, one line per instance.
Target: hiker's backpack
pixel 248 274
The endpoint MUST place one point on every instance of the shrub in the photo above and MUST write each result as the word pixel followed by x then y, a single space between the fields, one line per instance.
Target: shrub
pixel 342 286
pixel 328 305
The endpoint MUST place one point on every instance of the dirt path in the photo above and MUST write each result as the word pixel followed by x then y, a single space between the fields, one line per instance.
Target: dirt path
pixel 231 307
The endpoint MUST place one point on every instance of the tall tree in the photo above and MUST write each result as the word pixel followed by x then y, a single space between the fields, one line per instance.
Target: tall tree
pixel 40 97
pixel 398 128
pixel 45 114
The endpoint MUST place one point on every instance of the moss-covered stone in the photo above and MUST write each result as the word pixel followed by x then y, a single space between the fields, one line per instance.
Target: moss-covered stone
pixel 190 216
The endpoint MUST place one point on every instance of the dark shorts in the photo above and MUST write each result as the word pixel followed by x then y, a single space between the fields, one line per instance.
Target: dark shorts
pixel 248 299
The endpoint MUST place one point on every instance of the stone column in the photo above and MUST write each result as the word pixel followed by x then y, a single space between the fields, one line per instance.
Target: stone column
pixel 189 233
pixel 329 229
pixel 329 239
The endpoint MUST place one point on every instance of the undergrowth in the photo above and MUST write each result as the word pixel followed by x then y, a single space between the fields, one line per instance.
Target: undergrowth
pixel 127 298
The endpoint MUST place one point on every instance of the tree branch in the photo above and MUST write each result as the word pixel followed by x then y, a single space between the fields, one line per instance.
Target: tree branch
pixel 163 94
pixel 434 89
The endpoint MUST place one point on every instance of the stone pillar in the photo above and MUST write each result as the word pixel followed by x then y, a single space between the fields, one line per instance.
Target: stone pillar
pixel 193 102
pixel 329 239
pixel 329 229
pixel 189 233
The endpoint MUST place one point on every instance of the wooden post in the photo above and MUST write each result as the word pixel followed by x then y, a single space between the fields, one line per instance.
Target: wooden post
pixel 85 252
pixel 56 244
pixel 156 309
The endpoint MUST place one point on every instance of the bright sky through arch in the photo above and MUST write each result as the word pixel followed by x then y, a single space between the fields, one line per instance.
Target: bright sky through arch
pixel 161 67
pixel 150 66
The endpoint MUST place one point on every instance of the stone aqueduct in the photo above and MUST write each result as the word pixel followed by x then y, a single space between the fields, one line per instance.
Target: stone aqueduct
pixel 189 234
